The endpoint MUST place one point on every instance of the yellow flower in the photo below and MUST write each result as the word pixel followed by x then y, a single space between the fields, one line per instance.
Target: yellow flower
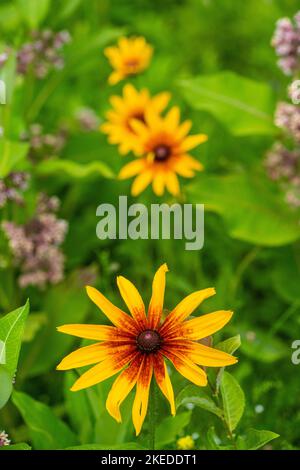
pixel 130 57
pixel 138 345
pixel 164 144
pixel 132 105
pixel 185 443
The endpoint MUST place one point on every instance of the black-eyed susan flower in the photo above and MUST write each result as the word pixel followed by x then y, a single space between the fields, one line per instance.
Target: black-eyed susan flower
pixel 164 146
pixel 138 345
pixel 132 105
pixel 130 57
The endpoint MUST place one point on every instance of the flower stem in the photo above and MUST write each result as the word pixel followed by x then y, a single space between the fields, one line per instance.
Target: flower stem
pixel 152 416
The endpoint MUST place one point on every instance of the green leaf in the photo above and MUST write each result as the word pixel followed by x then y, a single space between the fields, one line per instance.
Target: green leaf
pixel 287 266
pixel 251 209
pixel 73 169
pixel 78 409
pixel 124 446
pixel 197 396
pixel 263 347
pixel 64 303
pixel 255 439
pixel 11 153
pixel 20 446
pixel 5 386
pixel 47 431
pixel 170 427
pixel 34 11
pixel 230 345
pixel 233 400
pixel 244 106
pixel 68 8
pixel 11 331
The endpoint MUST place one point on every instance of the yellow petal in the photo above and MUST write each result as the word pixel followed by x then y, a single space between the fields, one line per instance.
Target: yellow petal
pixel 102 371
pixel 172 119
pixel 133 300
pixel 158 183
pixel 129 92
pixel 192 141
pixel 157 300
pixel 205 325
pixel 186 307
pixel 160 101
pixel 140 404
pixel 132 168
pixel 141 182
pixel 163 380
pixel 96 332
pixel 122 387
pixel 186 368
pixel 201 354
pixel 113 313
pixel 83 357
pixel 172 183
pixel 115 77
pixel 96 353
pixel 183 129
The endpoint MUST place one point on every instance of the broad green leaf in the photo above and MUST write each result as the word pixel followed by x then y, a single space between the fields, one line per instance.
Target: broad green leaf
pixel 78 409
pixel 64 303
pixel 74 170
pixel 8 75
pixel 170 427
pixel 33 325
pixel 34 11
pixel 5 386
pixel 230 345
pixel 251 209
pixel 244 106
pixel 20 446
pixel 255 439
pixel 11 332
pixel 68 8
pixel 47 431
pixel 124 446
pixel 197 396
pixel 287 267
pixel 233 400
pixel 11 153
pixel 263 347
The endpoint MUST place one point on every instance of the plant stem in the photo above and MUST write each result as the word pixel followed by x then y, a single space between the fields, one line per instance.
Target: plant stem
pixel 152 416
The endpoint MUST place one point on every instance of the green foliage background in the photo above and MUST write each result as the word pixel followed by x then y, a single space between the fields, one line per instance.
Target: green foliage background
pixel 251 252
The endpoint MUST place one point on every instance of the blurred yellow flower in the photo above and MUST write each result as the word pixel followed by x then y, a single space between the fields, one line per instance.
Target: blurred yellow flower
pixel 132 105
pixel 185 443
pixel 164 144
pixel 138 345
pixel 130 57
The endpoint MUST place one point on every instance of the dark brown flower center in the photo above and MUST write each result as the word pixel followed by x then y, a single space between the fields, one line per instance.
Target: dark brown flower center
pixel 148 341
pixel 161 153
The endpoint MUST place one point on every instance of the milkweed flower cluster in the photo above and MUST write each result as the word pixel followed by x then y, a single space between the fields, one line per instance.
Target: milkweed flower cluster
pixel 12 187
pixel 282 162
pixel 43 53
pixel 43 145
pixel 4 441
pixel 286 41
pixel 87 119
pixel 159 140
pixel 287 117
pixel 36 245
